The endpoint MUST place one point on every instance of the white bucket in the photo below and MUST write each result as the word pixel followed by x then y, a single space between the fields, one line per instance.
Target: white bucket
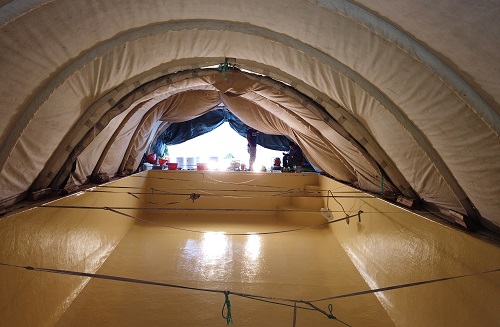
pixel 180 162
pixel 190 163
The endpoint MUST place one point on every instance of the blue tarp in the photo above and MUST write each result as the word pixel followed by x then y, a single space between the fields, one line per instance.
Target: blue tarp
pixel 181 132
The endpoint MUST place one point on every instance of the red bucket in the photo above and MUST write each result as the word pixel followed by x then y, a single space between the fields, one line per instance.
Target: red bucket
pixel 201 166
pixel 151 158
pixel 172 166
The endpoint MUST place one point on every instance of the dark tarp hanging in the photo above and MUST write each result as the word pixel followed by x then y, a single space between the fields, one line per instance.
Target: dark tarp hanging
pixel 181 132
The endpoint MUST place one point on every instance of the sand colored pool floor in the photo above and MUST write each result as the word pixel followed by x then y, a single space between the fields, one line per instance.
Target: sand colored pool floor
pixel 203 233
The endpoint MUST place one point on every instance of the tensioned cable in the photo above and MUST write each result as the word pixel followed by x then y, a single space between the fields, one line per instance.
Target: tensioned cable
pixel 216 181
pixel 148 282
pixel 238 234
pixel 136 195
pixel 158 203
pixel 207 182
pixel 204 194
pixel 298 192
pixel 93 189
pixel 284 194
pixel 225 190
pixel 394 287
pixel 233 183
pixel 219 209
pixel 181 209
pixel 246 295
pixel 178 180
pixel 115 210
pixel 328 200
pixel 290 193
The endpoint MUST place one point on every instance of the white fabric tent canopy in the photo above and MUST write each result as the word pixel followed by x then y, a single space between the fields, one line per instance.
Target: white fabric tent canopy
pixel 410 87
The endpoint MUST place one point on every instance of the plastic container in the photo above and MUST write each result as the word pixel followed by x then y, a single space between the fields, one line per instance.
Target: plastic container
pixel 201 166
pixel 161 161
pixel 190 163
pixel 172 165
pixel 180 162
pixel 151 158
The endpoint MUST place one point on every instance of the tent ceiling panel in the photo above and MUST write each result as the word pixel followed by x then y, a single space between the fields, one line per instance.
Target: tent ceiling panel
pixel 261 119
pixel 349 128
pixel 290 111
pixel 81 134
pixel 184 106
pixel 162 108
pixel 459 35
pixel 91 154
pixel 396 77
pixel 138 17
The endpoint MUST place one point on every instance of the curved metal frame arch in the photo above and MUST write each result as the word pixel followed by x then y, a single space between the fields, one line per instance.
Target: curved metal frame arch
pixel 165 80
pixel 414 49
pixel 314 53
pixel 118 108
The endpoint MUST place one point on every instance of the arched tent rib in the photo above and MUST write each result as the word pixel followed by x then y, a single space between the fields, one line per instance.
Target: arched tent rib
pixel 485 112
pixel 400 92
pixel 250 112
pixel 101 112
pixel 161 111
pixel 161 129
pixel 166 116
pixel 469 210
pixel 340 54
pixel 153 87
pixel 421 54
pixel 369 148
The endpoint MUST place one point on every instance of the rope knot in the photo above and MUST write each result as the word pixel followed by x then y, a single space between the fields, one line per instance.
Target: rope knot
pixel 227 307
pixel 330 315
pixel 224 67
pixel 194 196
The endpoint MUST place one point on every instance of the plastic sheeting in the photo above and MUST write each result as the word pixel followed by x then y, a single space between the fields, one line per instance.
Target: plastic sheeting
pixel 181 132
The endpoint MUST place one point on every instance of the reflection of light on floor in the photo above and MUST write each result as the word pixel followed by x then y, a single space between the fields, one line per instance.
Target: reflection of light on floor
pixel 191 249
pixel 252 260
pixel 213 246
pixel 210 258
pixel 216 256
pixel 252 247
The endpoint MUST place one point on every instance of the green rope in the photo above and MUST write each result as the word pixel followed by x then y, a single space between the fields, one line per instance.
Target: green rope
pixel 227 303
pixel 227 306
pixel 223 67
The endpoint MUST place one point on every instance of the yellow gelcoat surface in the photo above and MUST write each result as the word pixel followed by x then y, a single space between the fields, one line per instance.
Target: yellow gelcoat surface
pixel 158 231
